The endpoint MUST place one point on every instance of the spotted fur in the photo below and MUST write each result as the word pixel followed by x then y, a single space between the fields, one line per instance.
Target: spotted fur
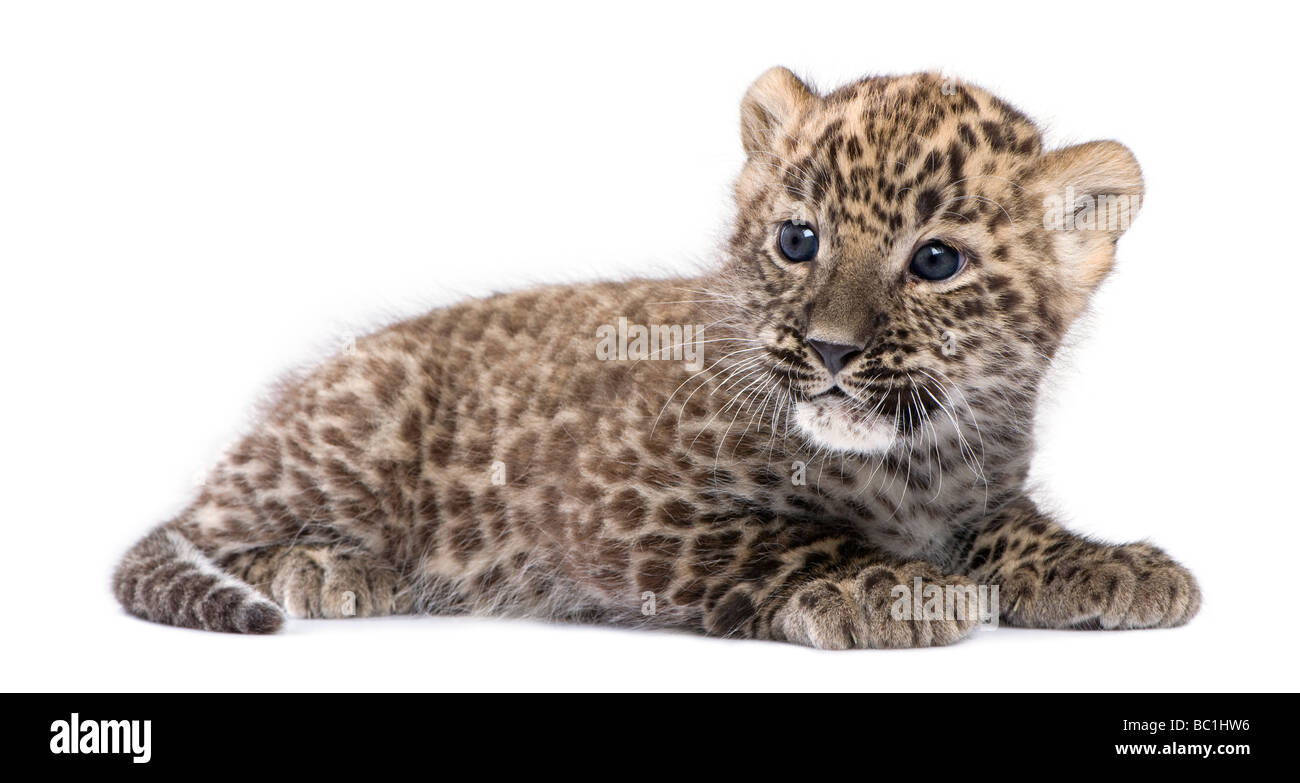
pixel 753 498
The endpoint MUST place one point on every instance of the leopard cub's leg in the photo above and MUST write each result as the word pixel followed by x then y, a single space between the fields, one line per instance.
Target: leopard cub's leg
pixel 860 610
pixel 323 581
pixel 817 584
pixel 1051 578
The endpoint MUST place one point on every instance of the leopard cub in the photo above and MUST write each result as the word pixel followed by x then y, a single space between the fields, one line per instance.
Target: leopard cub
pixel 797 445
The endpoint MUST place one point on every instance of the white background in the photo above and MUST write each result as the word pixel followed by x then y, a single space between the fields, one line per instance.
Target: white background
pixel 194 198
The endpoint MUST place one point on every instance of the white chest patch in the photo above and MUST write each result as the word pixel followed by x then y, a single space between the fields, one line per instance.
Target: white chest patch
pixel 834 423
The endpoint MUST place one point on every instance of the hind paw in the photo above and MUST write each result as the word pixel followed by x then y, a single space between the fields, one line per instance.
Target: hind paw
pixel 322 582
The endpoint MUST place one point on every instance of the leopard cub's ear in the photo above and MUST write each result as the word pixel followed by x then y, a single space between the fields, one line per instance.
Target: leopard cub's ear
pixel 1090 194
pixel 772 101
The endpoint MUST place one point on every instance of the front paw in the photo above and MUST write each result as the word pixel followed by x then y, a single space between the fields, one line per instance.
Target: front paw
pixel 868 610
pixel 1131 586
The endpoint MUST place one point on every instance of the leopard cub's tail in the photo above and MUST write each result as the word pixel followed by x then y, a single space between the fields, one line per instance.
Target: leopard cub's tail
pixel 166 579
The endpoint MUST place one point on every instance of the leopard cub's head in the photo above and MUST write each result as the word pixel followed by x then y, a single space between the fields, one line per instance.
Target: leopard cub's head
pixel 906 255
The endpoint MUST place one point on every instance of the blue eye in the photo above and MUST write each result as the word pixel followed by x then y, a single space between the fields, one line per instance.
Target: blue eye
pixel 937 261
pixel 798 241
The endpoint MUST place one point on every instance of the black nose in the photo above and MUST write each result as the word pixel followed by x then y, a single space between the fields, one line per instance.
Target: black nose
pixel 834 355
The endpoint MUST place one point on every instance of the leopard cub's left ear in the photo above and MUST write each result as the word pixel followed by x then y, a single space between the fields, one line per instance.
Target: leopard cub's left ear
pixel 1090 194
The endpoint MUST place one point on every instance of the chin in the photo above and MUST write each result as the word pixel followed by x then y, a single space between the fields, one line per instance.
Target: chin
pixel 832 423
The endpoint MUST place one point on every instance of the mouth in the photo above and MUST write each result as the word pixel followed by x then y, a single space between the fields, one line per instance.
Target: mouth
pixel 868 419
pixel 835 420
